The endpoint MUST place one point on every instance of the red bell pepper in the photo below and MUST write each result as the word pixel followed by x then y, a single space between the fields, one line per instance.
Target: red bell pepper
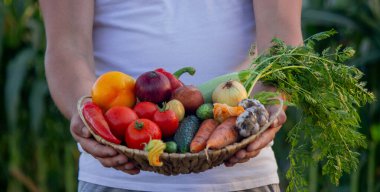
pixel 94 116
pixel 174 78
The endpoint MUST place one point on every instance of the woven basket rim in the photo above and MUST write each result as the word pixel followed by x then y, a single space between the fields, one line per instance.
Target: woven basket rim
pixel 202 154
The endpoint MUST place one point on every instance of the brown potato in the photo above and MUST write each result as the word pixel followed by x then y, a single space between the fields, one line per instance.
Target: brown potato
pixel 190 97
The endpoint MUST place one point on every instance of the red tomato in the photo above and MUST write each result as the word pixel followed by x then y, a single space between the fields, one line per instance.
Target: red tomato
pixel 167 121
pixel 141 131
pixel 145 109
pixel 119 118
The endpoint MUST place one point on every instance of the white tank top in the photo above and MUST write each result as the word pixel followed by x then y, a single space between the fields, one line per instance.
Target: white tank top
pixel 213 36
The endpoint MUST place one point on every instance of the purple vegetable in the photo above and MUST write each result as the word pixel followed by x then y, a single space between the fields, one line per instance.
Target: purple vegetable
pixel 153 86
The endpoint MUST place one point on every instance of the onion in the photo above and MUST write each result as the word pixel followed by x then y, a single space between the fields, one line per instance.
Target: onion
pixel 230 93
pixel 153 86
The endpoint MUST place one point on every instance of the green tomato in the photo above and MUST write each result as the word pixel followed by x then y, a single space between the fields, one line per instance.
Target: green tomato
pixel 171 147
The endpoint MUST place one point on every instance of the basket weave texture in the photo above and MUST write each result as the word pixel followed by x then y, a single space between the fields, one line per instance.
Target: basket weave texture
pixel 177 163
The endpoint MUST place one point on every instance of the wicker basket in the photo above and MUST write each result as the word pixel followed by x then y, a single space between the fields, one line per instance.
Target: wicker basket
pixel 176 163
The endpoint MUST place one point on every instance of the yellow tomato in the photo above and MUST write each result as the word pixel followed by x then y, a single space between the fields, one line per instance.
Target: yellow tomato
pixel 177 107
pixel 114 89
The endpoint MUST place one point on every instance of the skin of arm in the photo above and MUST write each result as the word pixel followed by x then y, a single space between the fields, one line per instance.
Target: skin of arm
pixel 280 19
pixel 69 67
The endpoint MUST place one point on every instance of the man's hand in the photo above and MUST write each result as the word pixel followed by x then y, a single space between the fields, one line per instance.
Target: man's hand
pixel 254 148
pixel 107 156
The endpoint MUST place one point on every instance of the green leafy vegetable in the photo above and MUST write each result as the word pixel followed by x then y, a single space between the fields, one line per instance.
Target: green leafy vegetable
pixel 328 94
pixel 268 98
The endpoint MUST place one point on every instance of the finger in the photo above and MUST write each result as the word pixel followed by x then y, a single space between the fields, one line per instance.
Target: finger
pixel 229 164
pixel 275 123
pixel 237 157
pixel 263 140
pixel 248 156
pixel 132 172
pixel 96 149
pixel 252 154
pixel 233 160
pixel 244 160
pixel 272 109
pixel 81 131
pixel 241 154
pixel 281 118
pixel 85 132
pixel 126 166
pixel 78 128
pixel 127 169
pixel 115 161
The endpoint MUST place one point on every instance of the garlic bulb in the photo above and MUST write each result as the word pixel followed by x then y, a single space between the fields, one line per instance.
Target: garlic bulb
pixel 252 119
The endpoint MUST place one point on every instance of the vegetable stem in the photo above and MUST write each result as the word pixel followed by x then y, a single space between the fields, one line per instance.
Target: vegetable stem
pixel 139 125
pixel 283 68
pixel 189 70
pixel 164 107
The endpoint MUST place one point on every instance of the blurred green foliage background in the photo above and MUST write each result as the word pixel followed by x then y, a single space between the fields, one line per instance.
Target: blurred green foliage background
pixel 36 148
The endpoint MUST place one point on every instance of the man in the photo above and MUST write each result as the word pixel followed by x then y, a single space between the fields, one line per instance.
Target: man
pixel 88 38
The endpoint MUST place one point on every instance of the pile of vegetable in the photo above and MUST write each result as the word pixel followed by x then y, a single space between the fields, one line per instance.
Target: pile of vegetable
pixel 157 106
pixel 160 113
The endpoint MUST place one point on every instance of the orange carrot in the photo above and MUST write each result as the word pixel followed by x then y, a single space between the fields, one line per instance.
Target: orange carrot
pixel 205 130
pixel 223 135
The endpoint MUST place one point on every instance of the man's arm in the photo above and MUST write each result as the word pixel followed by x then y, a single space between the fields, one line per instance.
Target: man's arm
pixel 70 72
pixel 280 19
pixel 68 59
pixel 277 18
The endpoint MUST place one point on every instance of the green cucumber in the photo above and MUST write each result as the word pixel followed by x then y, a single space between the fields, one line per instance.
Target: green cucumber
pixel 186 132
pixel 208 87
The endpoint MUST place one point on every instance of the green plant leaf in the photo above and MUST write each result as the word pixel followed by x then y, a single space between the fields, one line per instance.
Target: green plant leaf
pixel 322 35
pixel 15 76
pixel 36 33
pixel 328 93
pixel 37 103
